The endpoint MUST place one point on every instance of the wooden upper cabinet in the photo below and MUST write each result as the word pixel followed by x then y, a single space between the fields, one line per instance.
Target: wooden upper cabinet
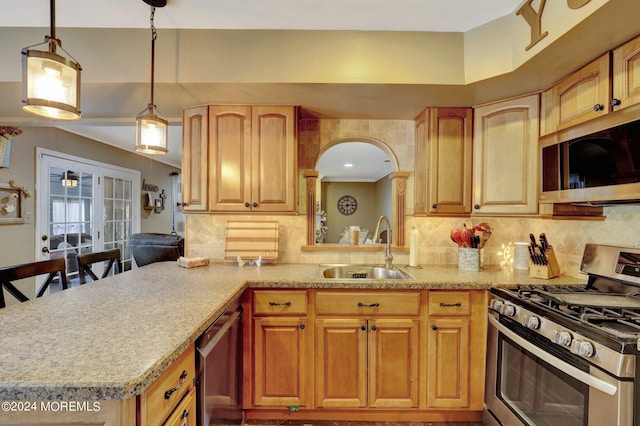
pixel 195 171
pixel 581 96
pixel 253 158
pixel 443 161
pixel 626 74
pixel 274 158
pixel 230 157
pixel 506 157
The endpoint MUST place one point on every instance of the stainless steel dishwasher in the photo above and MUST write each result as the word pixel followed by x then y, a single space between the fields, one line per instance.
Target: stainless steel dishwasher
pixel 219 366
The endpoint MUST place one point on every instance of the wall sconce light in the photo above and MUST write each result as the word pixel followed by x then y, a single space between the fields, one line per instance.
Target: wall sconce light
pixel 151 129
pixel 50 82
pixel 69 179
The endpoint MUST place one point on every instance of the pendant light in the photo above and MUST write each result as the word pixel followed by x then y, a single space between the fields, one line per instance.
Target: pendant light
pixel 50 82
pixel 69 179
pixel 151 129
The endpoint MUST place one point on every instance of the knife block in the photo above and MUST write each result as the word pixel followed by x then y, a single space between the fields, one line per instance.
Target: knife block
pixel 548 271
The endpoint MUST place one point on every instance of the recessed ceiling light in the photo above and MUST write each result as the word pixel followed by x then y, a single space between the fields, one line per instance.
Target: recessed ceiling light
pixel 348 165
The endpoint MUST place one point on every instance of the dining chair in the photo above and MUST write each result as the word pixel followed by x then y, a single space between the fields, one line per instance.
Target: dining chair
pixel 53 267
pixel 112 257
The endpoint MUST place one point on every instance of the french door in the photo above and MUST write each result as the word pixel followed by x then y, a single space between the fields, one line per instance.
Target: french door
pixel 84 206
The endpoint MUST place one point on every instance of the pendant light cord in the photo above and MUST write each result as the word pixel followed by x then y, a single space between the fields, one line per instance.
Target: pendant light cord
pixel 154 35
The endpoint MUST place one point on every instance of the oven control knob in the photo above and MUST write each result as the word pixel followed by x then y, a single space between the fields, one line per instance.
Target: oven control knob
pixel 531 322
pixel 562 337
pixel 496 305
pixel 582 348
pixel 508 310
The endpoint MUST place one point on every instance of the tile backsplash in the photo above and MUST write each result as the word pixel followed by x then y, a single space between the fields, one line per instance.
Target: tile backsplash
pixel 205 236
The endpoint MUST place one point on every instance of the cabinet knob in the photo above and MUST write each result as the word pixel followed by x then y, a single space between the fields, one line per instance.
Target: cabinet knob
pixel 598 107
pixel 363 327
pixel 615 102
pixel 254 205
pixel 247 205
pixel 301 326
pixel 434 206
pixel 434 327
pixel 476 206
pixel 374 328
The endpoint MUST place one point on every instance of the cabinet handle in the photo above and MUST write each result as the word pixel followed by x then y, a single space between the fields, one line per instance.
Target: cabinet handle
pixel 185 414
pixel 363 327
pixel 615 102
pixel 598 107
pixel 434 327
pixel 287 303
pixel 373 327
pixel 247 205
pixel 450 305
pixel 301 326
pixel 183 379
pixel 370 305
pixel 476 206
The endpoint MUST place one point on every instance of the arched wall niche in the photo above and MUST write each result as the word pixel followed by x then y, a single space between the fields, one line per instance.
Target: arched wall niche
pixel 397 201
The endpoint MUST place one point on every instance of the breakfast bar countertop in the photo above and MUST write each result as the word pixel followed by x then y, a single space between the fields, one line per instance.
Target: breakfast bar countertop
pixel 109 340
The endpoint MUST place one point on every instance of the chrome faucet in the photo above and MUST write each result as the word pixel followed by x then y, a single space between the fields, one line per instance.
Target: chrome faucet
pixel 388 258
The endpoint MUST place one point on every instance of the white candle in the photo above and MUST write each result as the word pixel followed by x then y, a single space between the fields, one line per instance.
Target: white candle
pixel 413 247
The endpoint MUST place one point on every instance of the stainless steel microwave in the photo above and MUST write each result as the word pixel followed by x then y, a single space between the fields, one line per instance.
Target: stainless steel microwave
pixel 596 168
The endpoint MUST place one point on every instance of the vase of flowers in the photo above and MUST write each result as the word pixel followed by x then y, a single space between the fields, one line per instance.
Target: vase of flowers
pixel 7 133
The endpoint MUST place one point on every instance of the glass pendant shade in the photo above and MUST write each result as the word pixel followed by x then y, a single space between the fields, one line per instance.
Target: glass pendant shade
pixel 151 133
pixel 51 85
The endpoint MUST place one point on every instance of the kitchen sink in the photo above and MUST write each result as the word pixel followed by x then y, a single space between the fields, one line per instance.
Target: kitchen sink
pixel 363 272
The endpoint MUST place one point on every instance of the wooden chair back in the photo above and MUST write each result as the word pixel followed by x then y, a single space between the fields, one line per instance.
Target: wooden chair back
pixel 53 267
pixel 86 260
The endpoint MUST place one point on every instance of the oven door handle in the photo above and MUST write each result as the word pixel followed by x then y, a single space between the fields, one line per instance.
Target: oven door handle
pixel 574 372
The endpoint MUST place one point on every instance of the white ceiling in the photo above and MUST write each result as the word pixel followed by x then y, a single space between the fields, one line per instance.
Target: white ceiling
pixel 111 101
pixel 363 15
pixel 353 162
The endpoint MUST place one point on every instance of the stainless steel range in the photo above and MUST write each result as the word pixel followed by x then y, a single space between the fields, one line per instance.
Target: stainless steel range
pixel 568 355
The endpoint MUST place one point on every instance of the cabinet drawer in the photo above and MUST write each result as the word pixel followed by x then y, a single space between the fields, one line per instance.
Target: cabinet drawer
pixel 154 406
pixel 449 303
pixel 367 303
pixel 185 413
pixel 281 302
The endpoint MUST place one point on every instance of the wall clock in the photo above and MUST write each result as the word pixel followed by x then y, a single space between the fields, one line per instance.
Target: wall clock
pixel 347 205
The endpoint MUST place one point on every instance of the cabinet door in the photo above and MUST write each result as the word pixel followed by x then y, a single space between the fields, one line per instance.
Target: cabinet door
pixel 448 368
pixel 580 97
pixel 195 124
pixel 393 363
pixel 230 158
pixel 420 160
pixel 626 73
pixel 274 158
pixel 280 361
pixel 341 377
pixel 450 160
pixel 506 157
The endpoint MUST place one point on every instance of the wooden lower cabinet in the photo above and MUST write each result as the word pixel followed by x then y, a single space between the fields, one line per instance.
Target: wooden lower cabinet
pixel 366 355
pixel 367 363
pixel 280 368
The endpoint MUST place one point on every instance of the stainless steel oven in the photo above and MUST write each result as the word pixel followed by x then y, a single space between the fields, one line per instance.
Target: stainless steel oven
pixel 565 355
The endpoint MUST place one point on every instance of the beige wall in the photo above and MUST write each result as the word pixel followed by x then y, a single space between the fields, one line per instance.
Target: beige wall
pixel 205 233
pixel 17 242
pixel 365 215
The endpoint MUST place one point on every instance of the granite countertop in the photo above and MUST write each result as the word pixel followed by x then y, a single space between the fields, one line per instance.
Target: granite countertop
pixel 111 339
